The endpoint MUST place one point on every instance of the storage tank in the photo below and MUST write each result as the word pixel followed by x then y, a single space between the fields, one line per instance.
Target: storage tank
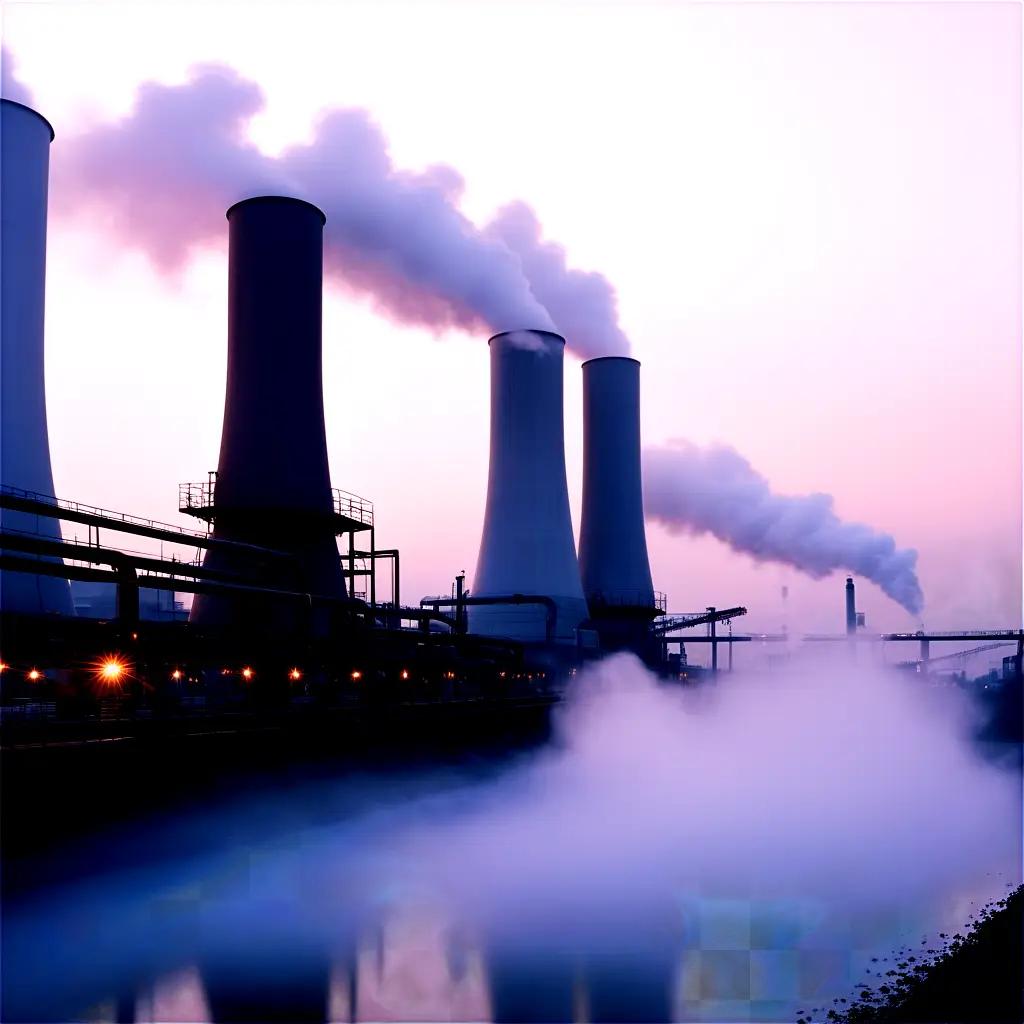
pixel 527 545
pixel 25 138
pixel 273 483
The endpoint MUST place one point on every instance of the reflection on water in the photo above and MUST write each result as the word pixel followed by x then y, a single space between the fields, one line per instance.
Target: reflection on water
pixel 747 962
pixel 735 856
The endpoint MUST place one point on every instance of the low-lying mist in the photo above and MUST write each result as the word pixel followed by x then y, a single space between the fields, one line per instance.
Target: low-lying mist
pixel 853 790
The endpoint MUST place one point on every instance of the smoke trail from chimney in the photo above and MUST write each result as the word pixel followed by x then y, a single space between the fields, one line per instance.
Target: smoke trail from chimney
pixel 11 87
pixel 161 177
pixel 715 490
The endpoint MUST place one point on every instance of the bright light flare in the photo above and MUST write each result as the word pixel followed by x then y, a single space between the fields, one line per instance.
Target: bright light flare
pixel 405 673
pixel 356 675
pixel 176 674
pixel 295 675
pixel 110 670
pixel 35 675
pixel 247 673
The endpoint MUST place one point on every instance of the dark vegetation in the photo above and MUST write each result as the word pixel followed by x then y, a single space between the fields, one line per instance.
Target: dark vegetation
pixel 976 977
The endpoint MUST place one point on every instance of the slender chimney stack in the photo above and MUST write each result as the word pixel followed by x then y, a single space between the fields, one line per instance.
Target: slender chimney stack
pixel 851 608
pixel 527 545
pixel 273 483
pixel 25 138
pixel 614 565
pixel 613 544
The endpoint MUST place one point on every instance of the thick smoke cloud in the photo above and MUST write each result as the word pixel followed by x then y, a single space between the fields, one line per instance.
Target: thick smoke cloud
pixel 582 304
pixel 715 490
pixel 11 87
pixel 161 178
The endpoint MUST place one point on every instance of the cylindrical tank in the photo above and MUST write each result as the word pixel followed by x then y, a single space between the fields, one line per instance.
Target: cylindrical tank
pixel 527 543
pixel 25 138
pixel 614 565
pixel 273 483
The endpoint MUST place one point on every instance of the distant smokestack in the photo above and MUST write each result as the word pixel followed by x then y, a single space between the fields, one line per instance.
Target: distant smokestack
pixel 614 566
pixel 851 607
pixel 273 484
pixel 527 544
pixel 25 138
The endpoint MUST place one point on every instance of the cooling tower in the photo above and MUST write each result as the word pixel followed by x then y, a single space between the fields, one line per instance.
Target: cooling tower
pixel 527 544
pixel 25 138
pixel 273 484
pixel 614 566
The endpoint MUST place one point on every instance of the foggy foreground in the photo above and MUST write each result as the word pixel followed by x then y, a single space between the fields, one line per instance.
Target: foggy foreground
pixel 731 852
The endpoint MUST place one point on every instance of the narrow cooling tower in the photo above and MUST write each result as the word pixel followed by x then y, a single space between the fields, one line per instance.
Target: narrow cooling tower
pixel 527 544
pixel 613 544
pixel 273 484
pixel 25 138
pixel 614 565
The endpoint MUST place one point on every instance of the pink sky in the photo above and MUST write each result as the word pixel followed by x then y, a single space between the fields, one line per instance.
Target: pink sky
pixel 811 213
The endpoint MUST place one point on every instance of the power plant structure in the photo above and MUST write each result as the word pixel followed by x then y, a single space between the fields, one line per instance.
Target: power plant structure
pixel 527 546
pixel 283 617
pixel 272 486
pixel 614 565
pixel 25 138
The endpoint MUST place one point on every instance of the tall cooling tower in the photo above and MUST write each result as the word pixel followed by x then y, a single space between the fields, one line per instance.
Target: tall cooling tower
pixel 25 138
pixel 614 565
pixel 273 483
pixel 527 544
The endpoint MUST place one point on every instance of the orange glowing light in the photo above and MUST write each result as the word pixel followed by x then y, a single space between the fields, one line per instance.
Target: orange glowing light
pixel 135 636
pixel 4 666
pixel 111 670
pixel 356 675
pixel 405 673
pixel 176 674
pixel 247 673
pixel 295 674
pixel 35 674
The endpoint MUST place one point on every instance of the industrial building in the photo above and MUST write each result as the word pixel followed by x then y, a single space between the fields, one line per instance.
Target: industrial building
pixel 285 577
pixel 284 566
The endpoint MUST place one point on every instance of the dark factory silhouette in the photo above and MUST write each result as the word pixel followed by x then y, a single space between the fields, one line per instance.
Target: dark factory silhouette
pixel 273 486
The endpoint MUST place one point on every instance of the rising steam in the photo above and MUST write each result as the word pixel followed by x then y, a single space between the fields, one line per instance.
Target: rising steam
pixel 715 490
pixel 828 798
pixel 11 87
pixel 162 177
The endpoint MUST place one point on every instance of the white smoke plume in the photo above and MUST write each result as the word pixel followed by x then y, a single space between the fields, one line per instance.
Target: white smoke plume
pixel 581 304
pixel 161 178
pixel 11 87
pixel 715 490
